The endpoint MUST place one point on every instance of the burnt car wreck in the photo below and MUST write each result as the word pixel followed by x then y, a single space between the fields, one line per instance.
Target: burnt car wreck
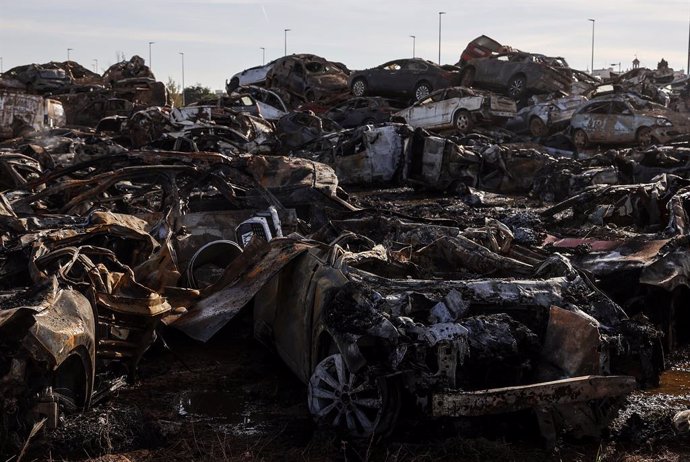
pixel 442 254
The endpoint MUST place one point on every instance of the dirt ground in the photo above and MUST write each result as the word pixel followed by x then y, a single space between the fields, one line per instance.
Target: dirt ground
pixel 233 399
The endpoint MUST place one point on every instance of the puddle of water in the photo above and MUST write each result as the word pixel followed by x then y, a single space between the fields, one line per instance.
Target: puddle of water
pixel 674 382
pixel 227 407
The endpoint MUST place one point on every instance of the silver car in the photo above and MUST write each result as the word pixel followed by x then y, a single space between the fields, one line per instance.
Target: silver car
pixel 458 108
pixel 625 119
pixel 252 76
pixel 546 114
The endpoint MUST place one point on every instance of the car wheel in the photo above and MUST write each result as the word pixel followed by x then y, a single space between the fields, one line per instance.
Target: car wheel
pixel 462 121
pixel 467 77
pixel 359 87
pixel 234 83
pixel 516 86
pixel 580 139
pixel 537 127
pixel 644 136
pixel 359 404
pixel 422 90
pixel 369 121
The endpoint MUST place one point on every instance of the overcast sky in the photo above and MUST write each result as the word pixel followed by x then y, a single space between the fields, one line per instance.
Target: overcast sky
pixel 221 37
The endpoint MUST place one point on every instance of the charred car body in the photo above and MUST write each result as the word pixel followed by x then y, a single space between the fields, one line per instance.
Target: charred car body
pixel 546 114
pixel 625 119
pixel 362 111
pixel 518 73
pixel 458 108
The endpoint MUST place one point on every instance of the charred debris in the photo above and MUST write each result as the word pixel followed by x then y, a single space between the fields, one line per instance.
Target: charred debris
pixel 505 234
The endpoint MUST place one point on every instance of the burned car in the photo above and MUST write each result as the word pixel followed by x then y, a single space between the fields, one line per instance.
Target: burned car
pixel 625 119
pixel 253 76
pixel 546 114
pixel 21 113
pixel 306 77
pixel 481 47
pixel 518 73
pixel 362 111
pixel 271 106
pixel 403 77
pixel 368 336
pixel 458 108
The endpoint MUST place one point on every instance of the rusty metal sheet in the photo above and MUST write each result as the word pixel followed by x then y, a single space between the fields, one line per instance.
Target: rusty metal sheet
pixel 511 399
pixel 241 281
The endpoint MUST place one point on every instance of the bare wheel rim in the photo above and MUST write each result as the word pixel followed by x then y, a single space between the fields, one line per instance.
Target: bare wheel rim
pixel 537 127
pixel 517 85
pixel 580 139
pixel 462 122
pixel 422 91
pixel 358 88
pixel 342 399
pixel 644 136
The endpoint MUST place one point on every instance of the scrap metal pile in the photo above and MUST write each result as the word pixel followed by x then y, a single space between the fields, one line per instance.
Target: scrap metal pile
pixel 470 269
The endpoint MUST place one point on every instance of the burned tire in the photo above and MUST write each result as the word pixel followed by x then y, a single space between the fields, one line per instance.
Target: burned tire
pixel 517 86
pixel 580 139
pixel 644 136
pixel 422 90
pixel 462 121
pixel 467 77
pixel 358 404
pixel 537 127
pixel 359 87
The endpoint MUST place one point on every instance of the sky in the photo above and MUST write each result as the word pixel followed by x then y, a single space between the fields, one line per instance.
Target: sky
pixel 222 37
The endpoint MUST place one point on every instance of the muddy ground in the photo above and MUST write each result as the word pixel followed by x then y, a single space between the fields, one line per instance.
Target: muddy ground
pixel 233 399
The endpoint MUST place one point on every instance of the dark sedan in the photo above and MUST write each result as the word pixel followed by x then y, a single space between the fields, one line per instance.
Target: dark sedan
pixel 356 112
pixel 403 77
pixel 518 73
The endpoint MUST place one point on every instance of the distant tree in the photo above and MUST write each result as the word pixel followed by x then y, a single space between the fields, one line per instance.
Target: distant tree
pixel 195 93
pixel 174 93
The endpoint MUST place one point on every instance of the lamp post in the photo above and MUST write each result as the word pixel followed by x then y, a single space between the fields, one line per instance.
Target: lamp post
pixel 592 65
pixel 285 31
pixel 263 55
pixel 150 61
pixel 414 39
pixel 687 68
pixel 95 65
pixel 1 65
pixel 440 13
pixel 68 50
pixel 182 55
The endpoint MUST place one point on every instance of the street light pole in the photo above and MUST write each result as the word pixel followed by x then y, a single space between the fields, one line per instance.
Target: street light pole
pixel 687 68
pixel 440 13
pixel 1 65
pixel 285 41
pixel 68 50
pixel 414 39
pixel 150 61
pixel 592 68
pixel 95 65
pixel 182 55
pixel 263 55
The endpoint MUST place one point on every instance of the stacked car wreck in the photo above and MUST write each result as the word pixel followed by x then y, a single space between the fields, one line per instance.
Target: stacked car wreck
pixel 502 293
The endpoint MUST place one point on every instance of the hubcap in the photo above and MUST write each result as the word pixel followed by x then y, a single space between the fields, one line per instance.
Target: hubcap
pixel 340 398
pixel 463 122
pixel 516 87
pixel 358 88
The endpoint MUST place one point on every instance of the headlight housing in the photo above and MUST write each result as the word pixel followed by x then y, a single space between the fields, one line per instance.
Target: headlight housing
pixel 662 122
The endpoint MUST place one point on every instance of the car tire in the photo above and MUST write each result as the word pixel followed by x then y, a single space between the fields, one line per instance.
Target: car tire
pixel 537 127
pixel 359 87
pixel 644 136
pixel 517 86
pixel 356 403
pixel 467 77
pixel 462 121
pixel 580 139
pixel 233 84
pixel 369 121
pixel 422 90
